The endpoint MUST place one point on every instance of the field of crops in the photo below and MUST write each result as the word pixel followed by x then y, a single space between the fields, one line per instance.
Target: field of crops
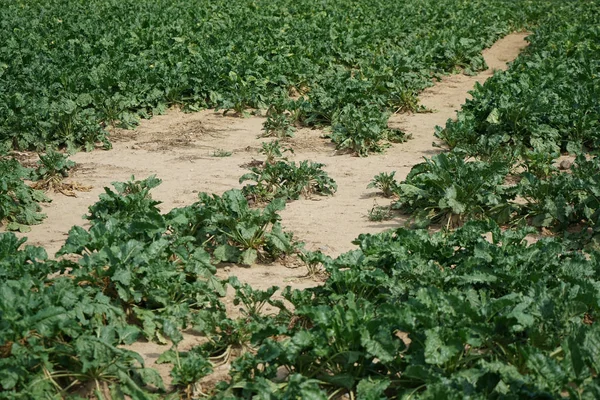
pixel 490 289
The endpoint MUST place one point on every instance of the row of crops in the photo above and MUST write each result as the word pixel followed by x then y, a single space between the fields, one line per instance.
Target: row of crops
pixel 473 311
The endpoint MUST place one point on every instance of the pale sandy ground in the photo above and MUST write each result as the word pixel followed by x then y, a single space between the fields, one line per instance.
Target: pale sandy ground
pixel 178 148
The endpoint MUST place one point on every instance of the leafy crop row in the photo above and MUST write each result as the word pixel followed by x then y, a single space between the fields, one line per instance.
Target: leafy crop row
pixel 407 315
pixel 547 101
pixel 474 312
pixel 134 273
pixel 505 142
pixel 69 70
pixel 450 315
pixel 449 190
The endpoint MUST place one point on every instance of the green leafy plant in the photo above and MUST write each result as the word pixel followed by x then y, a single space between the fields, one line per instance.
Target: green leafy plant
pixel 157 276
pixel 273 151
pixel 131 199
pixel 189 368
pixel 228 228
pixel 190 63
pixel 384 182
pixel 277 177
pixel 314 261
pixel 52 168
pixel 221 153
pixel 278 123
pixel 563 200
pixel 287 180
pixel 380 213
pixel 19 203
pixel 410 313
pixel 448 189
pixel 363 130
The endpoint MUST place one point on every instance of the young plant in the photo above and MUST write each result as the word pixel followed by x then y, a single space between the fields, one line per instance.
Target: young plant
pixel 384 182
pixel 189 367
pixel 130 200
pixel 278 123
pixel 380 213
pixel 314 261
pixel 273 151
pixel 221 153
pixel 288 180
pixel 52 168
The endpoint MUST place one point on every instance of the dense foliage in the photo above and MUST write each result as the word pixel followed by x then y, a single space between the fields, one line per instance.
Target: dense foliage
pixel 408 314
pixel 506 139
pixel 137 273
pixel 547 101
pixel 70 69
pixel 19 203
pixel 477 312
pixel 449 315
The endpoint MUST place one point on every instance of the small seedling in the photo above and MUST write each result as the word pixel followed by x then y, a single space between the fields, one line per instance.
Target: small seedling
pixel 279 122
pixel 221 153
pixel 384 182
pixel 380 213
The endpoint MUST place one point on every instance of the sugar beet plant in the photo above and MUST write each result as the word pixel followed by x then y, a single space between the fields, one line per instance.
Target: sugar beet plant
pixel 277 177
pixel 384 182
pixel 547 99
pixel 279 122
pixel 227 227
pixel 69 74
pixel 415 315
pixel 409 314
pixel 363 130
pixel 52 168
pixel 448 189
pixel 564 200
pixel 160 279
pixel 19 203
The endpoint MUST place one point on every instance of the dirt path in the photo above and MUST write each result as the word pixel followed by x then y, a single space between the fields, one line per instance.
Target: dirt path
pixel 179 149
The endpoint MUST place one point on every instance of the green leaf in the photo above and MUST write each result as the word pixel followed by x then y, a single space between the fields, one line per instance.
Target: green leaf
pixel 226 253
pixel 493 117
pixel 248 256
pixel 369 389
pixel 437 350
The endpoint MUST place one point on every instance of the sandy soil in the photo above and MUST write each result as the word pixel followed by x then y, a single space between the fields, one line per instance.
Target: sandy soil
pixel 179 149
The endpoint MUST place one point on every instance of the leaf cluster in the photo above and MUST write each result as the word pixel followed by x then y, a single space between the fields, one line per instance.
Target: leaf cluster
pixel 546 102
pixel 278 178
pixel 416 315
pixel 19 203
pixel 231 231
pixel 448 189
pixel 363 130
pixel 70 75
pixel 58 336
